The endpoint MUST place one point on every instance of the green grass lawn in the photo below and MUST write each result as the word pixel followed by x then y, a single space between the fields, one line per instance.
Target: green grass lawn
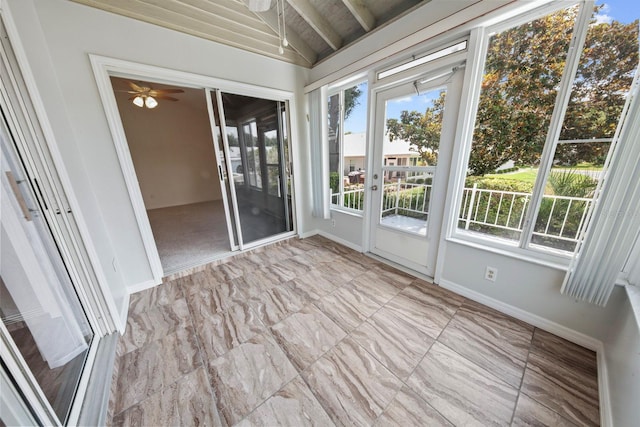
pixel 529 174
pixel 524 175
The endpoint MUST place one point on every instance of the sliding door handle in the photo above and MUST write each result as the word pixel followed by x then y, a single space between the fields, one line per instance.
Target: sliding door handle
pixel 26 212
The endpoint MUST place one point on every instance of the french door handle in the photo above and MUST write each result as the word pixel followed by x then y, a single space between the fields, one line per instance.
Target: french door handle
pixel 16 192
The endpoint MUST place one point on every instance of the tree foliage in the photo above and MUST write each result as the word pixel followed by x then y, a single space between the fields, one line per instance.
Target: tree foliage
pixel 523 69
pixel 422 130
pixel 351 100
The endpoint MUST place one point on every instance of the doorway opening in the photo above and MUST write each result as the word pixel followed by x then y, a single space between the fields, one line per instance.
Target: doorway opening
pixel 212 169
pixel 175 163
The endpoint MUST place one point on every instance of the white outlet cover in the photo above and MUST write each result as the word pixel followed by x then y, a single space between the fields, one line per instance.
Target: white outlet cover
pixel 491 274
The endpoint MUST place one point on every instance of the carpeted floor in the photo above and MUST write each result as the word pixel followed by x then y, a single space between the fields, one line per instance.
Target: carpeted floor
pixel 189 235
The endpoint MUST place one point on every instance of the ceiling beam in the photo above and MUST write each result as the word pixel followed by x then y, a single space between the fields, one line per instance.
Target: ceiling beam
pixel 317 22
pixel 296 42
pixel 362 14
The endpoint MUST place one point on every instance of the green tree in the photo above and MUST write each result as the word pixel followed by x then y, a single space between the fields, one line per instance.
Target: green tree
pixel 351 100
pixel 522 72
pixel 604 76
pixel 422 130
pixel 523 69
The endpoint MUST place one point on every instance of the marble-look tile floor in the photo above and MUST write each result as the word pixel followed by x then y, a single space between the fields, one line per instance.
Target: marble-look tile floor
pixel 310 333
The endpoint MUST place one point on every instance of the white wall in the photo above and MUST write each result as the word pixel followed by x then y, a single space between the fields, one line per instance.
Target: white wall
pixel 527 286
pixel 172 151
pixel 57 37
pixel 622 353
pixel 524 288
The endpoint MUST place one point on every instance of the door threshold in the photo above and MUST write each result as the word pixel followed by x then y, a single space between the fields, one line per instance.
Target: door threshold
pixel 202 264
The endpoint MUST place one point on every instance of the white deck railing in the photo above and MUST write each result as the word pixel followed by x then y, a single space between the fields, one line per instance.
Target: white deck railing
pixel 494 212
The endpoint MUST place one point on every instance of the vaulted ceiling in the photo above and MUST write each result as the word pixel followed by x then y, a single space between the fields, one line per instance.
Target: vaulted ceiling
pixel 314 28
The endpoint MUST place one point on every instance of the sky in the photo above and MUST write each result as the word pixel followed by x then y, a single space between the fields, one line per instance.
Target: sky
pixel 621 10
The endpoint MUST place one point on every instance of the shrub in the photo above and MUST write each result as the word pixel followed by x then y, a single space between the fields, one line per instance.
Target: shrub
pixel 334 182
pixel 499 184
pixel 570 183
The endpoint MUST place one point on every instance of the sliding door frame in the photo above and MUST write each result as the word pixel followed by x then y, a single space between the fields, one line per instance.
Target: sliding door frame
pixel 32 139
pixel 106 67
pixel 230 206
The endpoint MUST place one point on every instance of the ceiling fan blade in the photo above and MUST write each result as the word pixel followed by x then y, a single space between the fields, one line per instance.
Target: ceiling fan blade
pixel 133 97
pixel 160 91
pixel 168 98
pixel 135 87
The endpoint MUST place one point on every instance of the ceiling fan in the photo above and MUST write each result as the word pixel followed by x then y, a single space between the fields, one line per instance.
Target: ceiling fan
pixel 144 96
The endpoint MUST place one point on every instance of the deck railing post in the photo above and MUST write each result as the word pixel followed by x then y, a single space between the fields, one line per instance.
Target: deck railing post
pixel 471 203
pixel 397 196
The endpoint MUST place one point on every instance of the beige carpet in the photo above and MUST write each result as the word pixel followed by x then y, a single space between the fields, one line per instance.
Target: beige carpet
pixel 189 235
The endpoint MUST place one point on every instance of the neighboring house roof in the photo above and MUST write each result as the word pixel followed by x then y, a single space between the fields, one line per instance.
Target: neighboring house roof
pixel 355 145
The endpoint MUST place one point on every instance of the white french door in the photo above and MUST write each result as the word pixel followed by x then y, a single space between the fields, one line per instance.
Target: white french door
pixel 408 180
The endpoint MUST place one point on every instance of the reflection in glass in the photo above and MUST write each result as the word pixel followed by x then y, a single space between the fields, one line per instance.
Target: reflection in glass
pixel 38 304
pixel 262 182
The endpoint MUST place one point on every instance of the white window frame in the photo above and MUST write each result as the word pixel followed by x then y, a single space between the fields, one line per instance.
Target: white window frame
pixel 338 89
pixel 478 47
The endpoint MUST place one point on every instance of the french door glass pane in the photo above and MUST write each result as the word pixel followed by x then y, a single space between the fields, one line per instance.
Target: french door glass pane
pixel 38 304
pixel 412 137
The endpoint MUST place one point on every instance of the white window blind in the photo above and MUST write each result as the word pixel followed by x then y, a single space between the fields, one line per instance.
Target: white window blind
pixel 319 152
pixel 615 221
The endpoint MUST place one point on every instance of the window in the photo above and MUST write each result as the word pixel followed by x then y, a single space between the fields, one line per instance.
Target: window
pixel 543 127
pixel 347 112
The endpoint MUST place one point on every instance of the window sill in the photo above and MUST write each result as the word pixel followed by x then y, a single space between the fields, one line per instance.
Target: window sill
pixel 555 262
pixel 346 211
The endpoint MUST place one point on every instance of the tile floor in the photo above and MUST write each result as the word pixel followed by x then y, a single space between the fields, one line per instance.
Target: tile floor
pixel 312 333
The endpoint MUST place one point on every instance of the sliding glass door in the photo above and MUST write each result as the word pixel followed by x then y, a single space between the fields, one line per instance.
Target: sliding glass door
pixel 252 150
pixel 44 330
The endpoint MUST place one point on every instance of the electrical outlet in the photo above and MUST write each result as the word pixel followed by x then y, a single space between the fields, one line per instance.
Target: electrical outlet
pixel 333 222
pixel 491 274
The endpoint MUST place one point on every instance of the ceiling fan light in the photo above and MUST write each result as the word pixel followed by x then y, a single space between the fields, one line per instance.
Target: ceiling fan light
pixel 151 102
pixel 138 101
pixel 259 5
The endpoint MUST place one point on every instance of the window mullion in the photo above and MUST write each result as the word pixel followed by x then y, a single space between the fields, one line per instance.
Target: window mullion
pixel 557 118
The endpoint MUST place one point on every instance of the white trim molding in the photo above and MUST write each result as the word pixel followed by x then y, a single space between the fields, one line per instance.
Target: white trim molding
pixel 103 69
pixel 530 318
pixel 341 241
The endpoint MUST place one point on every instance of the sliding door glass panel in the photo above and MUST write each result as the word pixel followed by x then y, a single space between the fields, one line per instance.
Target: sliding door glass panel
pixel 40 310
pixel 264 205
pixel 234 159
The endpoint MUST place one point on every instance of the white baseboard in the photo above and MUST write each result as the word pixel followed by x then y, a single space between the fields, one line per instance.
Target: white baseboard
pixel 343 242
pixel 575 337
pixel 308 234
pixel 124 314
pixel 532 319
pixel 138 287
pixel 606 417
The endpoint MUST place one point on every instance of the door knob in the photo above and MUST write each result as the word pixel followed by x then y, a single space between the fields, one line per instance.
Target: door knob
pixel 374 187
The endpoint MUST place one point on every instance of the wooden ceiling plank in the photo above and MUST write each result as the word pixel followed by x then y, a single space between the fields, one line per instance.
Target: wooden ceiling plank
pixel 158 16
pixel 362 14
pixel 246 26
pixel 317 22
pixel 296 42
